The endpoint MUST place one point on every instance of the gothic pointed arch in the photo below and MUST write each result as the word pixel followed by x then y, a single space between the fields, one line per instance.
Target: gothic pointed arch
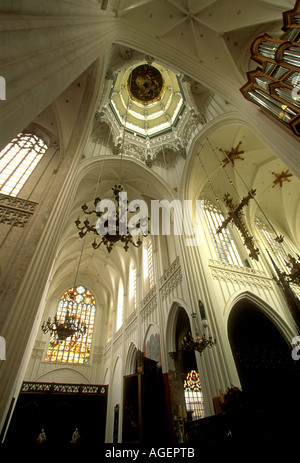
pixel 131 359
pixel 268 374
pixel 170 331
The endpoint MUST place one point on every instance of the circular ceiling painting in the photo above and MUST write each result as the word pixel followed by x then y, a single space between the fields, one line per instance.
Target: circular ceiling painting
pixel 145 84
pixel 146 99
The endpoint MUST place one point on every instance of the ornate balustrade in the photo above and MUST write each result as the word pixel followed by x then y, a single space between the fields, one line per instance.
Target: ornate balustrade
pixel 63 388
pixel 245 276
pixel 171 278
pixel 15 211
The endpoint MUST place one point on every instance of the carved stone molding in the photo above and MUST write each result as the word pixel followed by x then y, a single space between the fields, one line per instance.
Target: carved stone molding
pixel 117 340
pixel 131 318
pixel 149 304
pixel 151 294
pixel 37 354
pixel 131 330
pixel 38 350
pixel 97 354
pixel 107 348
pixel 15 211
pixel 171 278
pixel 39 344
pixel 131 325
pixel 17 203
pixel 244 276
pixel 193 125
pixel 149 309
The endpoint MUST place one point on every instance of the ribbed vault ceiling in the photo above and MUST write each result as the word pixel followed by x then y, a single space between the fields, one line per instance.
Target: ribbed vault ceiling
pixel 214 36
pixel 204 31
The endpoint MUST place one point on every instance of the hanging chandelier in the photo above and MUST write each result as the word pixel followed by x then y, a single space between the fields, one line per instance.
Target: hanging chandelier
pixel 235 215
pixel 113 221
pixel 286 282
pixel 294 274
pixel 199 343
pixel 70 326
pixel 67 328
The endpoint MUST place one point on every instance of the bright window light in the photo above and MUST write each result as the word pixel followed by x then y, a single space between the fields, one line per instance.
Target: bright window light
pixel 17 161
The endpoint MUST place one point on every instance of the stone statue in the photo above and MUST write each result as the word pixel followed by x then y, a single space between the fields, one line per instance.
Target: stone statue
pixel 75 436
pixel 41 437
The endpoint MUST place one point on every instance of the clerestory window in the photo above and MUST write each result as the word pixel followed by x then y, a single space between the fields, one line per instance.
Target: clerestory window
pixel 132 287
pixel 120 306
pixel 18 160
pixel 224 243
pixel 150 264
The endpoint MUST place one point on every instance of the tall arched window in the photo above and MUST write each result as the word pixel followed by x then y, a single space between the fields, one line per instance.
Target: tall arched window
pixel 193 395
pixel 150 264
pixel 148 269
pixel 132 288
pixel 72 350
pixel 120 306
pixel 17 161
pixel 225 246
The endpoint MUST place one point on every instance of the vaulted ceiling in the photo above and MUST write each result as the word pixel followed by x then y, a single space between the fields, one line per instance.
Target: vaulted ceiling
pixel 209 41
pixel 216 34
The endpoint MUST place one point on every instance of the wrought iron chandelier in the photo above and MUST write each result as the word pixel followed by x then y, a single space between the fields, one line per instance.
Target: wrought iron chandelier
pixel 287 282
pixel 69 327
pixel 199 343
pixel 294 275
pixel 291 277
pixel 116 231
pixel 235 215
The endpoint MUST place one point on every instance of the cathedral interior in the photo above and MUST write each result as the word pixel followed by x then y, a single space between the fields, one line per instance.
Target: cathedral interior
pixel 182 329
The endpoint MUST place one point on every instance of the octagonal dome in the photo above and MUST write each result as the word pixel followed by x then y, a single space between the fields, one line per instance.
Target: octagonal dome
pixel 147 99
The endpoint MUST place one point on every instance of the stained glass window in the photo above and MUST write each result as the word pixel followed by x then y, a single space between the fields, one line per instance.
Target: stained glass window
pixel 193 395
pixel 17 161
pixel 72 350
pixel 225 246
